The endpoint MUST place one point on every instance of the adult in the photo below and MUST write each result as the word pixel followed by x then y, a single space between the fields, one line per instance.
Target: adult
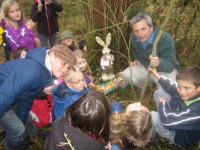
pixel 44 13
pixel 144 35
pixel 21 80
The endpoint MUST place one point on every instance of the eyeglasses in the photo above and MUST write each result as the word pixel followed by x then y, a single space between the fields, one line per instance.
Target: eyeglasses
pixel 83 80
pixel 14 11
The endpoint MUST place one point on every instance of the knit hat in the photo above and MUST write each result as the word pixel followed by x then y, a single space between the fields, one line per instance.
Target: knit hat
pixel 66 34
pixel 65 54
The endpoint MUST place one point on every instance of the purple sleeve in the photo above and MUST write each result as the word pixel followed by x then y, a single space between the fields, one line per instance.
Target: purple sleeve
pixel 87 78
pixel 20 37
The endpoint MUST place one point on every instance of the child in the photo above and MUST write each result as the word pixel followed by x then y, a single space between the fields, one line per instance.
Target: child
pixel 179 117
pixel 130 128
pixel 68 91
pixel 67 38
pixel 85 125
pixel 21 80
pixel 20 53
pixel 82 44
pixel 83 65
pixel 18 30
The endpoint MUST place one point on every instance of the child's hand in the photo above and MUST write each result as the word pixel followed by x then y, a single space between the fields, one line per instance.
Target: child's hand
pixel 30 24
pixel 48 89
pixel 154 72
pixel 37 41
pixel 162 99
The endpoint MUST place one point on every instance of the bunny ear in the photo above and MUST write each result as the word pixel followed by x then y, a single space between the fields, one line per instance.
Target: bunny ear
pixel 108 39
pixel 100 41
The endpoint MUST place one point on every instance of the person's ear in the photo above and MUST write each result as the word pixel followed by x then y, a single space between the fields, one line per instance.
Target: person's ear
pixel 52 56
pixel 198 89
pixel 68 84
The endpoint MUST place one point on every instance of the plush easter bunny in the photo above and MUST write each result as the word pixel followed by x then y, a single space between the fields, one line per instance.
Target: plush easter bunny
pixel 107 59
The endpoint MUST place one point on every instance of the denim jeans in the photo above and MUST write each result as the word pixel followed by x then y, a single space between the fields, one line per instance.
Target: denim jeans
pixel 157 124
pixel 43 39
pixel 116 107
pixel 160 129
pixel 115 147
pixel 14 128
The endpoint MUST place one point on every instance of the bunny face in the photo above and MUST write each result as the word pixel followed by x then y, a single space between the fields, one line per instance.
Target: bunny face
pixel 106 50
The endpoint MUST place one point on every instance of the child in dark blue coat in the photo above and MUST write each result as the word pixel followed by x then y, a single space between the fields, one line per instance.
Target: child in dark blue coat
pixel 178 117
pixel 68 92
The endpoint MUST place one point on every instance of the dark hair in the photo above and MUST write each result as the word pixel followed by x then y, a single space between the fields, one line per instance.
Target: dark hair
pixel 81 44
pixel 17 52
pixel 90 113
pixel 190 74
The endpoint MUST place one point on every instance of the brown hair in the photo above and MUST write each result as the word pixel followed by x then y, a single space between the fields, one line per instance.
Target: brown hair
pixel 90 113
pixel 65 54
pixel 17 52
pixel 190 74
pixel 81 54
pixel 5 6
pixel 136 126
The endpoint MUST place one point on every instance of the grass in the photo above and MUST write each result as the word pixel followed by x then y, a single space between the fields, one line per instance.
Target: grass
pixel 70 19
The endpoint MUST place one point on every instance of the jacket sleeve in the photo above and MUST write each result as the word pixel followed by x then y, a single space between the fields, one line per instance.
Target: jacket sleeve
pixel 167 54
pixel 168 85
pixel 35 14
pixel 183 120
pixel 16 85
pixel 57 6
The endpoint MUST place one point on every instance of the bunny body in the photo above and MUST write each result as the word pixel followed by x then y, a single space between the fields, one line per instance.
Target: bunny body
pixel 107 59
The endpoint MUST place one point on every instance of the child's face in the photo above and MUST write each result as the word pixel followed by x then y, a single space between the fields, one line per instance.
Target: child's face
pixel 67 41
pixel 135 107
pixel 59 68
pixel 14 13
pixel 81 63
pixel 187 89
pixel 77 81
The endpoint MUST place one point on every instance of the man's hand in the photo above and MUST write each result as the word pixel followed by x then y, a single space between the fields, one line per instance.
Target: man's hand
pixel 154 61
pixel 135 63
pixel 48 89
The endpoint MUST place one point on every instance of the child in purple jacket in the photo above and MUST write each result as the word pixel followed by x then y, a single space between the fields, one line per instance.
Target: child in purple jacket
pixel 18 30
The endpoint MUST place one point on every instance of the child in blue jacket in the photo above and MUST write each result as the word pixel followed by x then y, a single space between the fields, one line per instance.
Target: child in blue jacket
pixel 179 115
pixel 68 92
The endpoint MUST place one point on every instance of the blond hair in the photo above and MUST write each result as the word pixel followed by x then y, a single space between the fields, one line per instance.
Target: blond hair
pixel 74 69
pixel 5 6
pixel 136 126
pixel 81 54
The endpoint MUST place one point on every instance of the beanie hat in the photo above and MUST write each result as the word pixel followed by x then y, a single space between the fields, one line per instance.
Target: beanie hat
pixel 65 54
pixel 66 34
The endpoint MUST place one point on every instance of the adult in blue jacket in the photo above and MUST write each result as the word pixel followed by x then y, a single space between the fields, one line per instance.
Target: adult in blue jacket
pixel 21 80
